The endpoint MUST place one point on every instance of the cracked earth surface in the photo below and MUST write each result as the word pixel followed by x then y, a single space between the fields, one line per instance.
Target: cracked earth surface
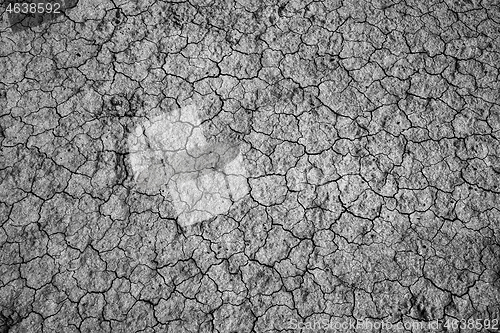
pixel 364 136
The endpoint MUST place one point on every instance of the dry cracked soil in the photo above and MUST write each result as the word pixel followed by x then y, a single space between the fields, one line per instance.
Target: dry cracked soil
pixel 250 166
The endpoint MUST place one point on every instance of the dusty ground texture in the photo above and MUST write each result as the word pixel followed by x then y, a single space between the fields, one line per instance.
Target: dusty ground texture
pixel 369 131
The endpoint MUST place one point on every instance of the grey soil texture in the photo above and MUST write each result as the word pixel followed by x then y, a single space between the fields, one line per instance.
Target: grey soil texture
pixel 369 132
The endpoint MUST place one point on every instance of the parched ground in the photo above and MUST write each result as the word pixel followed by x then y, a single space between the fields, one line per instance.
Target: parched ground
pixel 369 134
